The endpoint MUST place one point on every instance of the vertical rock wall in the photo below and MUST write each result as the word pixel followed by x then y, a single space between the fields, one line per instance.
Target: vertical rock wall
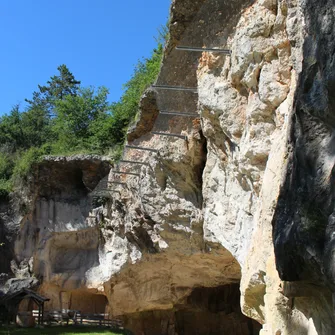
pixel 55 241
pixel 236 206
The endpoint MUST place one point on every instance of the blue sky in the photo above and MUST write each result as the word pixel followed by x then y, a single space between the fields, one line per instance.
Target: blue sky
pixel 99 40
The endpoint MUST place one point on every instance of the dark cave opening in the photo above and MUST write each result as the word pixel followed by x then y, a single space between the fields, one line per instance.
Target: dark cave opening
pixel 214 311
pixel 206 311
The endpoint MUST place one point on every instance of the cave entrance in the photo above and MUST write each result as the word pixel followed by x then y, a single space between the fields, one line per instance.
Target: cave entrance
pixel 85 302
pixel 214 311
pixel 182 295
pixel 206 311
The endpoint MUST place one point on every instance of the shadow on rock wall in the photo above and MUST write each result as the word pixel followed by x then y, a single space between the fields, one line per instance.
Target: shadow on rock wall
pixel 304 224
pixel 213 311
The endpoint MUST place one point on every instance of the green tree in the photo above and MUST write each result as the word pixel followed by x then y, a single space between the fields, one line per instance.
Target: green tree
pixel 57 88
pixel 36 127
pixel 79 119
pixel 125 110
pixel 11 130
pixel 62 118
pixel 22 130
pixel 6 166
pixel 6 170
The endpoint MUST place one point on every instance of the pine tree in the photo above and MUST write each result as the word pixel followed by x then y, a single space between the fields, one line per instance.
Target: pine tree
pixel 57 88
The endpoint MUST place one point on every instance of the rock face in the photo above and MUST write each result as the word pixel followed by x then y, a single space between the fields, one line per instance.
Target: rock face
pixel 56 239
pixel 232 213
pixel 8 232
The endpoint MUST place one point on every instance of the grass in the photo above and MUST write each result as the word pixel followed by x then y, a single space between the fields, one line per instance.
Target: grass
pixel 57 330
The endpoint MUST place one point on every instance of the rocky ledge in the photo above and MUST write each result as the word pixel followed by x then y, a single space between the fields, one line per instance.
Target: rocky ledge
pixel 226 227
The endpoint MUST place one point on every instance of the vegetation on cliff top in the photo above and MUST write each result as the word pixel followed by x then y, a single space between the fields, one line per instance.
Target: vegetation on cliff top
pixel 64 118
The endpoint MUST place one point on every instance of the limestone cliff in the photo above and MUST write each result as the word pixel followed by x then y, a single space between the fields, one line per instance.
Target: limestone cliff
pixel 234 213
pixel 56 239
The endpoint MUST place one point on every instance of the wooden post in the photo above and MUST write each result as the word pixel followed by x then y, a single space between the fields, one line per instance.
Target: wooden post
pixel 42 311
pixel 39 314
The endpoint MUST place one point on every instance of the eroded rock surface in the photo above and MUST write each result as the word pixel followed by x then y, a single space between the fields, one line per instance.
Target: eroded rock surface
pixel 56 239
pixel 8 231
pixel 236 206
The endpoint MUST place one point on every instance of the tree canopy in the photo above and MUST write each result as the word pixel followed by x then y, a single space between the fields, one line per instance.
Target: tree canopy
pixel 62 117
pixel 56 89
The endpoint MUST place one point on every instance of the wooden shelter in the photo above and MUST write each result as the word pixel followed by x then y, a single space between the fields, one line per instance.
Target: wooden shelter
pixel 12 301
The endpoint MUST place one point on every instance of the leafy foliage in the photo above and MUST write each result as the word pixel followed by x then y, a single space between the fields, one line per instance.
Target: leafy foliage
pixel 57 88
pixel 63 117
pixel 125 110
pixel 26 161
pixel 5 188
pixel 80 121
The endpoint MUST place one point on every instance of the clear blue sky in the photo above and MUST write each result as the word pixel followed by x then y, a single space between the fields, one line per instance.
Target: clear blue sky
pixel 99 40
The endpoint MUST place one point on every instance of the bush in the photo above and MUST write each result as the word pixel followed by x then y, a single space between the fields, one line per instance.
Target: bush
pixel 124 111
pixel 26 161
pixel 5 188
pixel 6 166
pixel 116 152
pixel 63 118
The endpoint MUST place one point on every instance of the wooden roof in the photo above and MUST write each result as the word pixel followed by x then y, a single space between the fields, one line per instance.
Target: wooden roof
pixel 23 294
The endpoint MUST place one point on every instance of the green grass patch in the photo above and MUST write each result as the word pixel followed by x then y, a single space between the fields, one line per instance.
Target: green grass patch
pixel 57 330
